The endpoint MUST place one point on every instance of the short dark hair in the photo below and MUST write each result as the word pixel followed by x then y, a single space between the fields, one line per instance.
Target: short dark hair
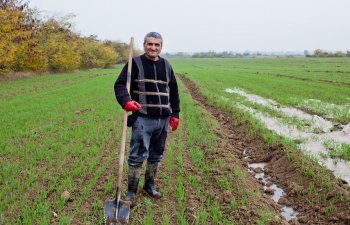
pixel 154 35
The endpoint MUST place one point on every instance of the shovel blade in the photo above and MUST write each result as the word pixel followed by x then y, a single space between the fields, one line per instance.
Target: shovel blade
pixel 117 212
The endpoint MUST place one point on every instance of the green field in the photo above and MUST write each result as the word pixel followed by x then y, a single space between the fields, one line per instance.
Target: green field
pixel 53 129
pixel 61 133
pixel 289 81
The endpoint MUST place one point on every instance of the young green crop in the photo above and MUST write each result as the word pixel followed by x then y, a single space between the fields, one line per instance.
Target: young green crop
pixel 55 130
pixel 58 133
pixel 289 81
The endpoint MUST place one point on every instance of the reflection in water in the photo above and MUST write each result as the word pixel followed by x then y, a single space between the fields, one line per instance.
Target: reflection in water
pixel 288 213
pixel 311 139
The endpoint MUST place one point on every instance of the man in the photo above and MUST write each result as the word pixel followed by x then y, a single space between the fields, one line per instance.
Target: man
pixel 154 101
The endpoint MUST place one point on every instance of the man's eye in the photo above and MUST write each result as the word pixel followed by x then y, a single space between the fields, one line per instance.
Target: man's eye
pixel 155 44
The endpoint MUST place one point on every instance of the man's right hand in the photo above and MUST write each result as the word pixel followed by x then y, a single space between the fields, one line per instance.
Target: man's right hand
pixel 132 106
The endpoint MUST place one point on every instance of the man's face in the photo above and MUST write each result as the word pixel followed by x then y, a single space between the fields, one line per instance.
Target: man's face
pixel 152 48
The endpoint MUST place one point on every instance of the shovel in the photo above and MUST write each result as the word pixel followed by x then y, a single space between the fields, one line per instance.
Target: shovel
pixel 117 211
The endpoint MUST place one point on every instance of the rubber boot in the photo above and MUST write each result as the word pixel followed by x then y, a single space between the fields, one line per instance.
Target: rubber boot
pixel 133 182
pixel 151 172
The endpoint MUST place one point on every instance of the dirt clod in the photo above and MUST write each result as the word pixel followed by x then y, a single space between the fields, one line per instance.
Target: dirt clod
pixel 294 222
pixel 228 196
pixel 258 170
pixel 295 189
pixel 269 191
pixel 283 201
pixel 65 195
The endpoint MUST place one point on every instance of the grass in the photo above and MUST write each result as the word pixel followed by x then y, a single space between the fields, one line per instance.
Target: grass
pixel 55 130
pixel 59 133
pixel 257 76
pixel 265 218
pixel 260 76
pixel 338 150
pixel 213 76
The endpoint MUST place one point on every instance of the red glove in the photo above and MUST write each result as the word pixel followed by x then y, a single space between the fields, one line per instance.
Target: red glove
pixel 174 123
pixel 132 106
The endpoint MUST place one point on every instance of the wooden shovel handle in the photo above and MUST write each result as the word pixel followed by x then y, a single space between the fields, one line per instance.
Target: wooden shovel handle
pixel 125 119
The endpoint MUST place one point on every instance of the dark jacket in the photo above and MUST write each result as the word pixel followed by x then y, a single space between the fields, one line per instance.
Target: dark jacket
pixel 155 81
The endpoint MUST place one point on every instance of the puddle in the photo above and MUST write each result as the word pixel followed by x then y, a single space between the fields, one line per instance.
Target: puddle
pixel 310 142
pixel 277 126
pixel 340 168
pixel 317 122
pixel 288 213
pixel 253 98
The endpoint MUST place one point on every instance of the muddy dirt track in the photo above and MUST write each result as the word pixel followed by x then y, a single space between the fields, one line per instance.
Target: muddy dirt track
pixel 311 199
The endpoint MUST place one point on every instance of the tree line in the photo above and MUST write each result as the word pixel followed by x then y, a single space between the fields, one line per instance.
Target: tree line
pixel 227 54
pixel 28 43
pixel 323 53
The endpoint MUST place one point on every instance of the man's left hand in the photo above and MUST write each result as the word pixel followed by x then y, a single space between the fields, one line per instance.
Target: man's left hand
pixel 174 123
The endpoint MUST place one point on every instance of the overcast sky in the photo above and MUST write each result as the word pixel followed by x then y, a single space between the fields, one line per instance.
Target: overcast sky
pixel 219 25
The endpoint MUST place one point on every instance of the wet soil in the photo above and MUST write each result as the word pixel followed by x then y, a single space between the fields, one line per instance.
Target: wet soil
pixel 315 203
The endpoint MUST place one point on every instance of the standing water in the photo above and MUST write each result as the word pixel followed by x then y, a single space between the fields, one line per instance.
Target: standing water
pixel 313 138
pixel 288 213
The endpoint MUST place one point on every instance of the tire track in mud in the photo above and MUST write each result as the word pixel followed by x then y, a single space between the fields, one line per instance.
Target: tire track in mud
pixel 226 152
pixel 314 203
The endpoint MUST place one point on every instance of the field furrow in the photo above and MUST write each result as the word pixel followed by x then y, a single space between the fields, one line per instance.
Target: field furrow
pixel 313 191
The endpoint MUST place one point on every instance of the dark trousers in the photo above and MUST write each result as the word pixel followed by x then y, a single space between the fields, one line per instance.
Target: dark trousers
pixel 148 140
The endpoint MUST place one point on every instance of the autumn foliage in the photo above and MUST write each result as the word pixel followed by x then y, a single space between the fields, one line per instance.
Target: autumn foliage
pixel 30 44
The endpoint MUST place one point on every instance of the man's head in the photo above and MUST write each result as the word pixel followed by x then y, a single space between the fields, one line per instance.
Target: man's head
pixel 152 45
